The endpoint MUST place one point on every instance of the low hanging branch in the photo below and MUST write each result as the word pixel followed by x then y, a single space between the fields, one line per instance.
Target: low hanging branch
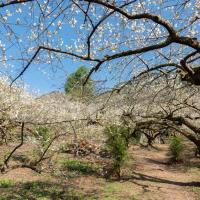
pixel 42 157
pixel 33 165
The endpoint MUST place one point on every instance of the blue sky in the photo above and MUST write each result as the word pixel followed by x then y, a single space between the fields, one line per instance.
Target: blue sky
pixel 34 77
pixel 54 78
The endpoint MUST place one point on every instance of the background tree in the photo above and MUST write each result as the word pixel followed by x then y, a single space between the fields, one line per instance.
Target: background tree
pixel 74 84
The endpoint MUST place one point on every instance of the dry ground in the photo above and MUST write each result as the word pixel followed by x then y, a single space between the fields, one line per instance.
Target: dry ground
pixel 147 176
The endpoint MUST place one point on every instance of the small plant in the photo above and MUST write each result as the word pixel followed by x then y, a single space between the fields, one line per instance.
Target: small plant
pixel 117 143
pixel 66 147
pixel 176 148
pixel 44 134
pixel 78 166
pixel 33 185
pixel 136 138
pixel 20 158
pixel 4 183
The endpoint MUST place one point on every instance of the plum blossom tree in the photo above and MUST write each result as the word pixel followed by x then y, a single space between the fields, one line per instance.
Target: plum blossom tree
pixel 126 37
pixel 162 106
pixel 40 121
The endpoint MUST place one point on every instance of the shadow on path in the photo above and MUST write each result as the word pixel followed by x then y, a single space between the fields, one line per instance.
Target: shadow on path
pixel 143 177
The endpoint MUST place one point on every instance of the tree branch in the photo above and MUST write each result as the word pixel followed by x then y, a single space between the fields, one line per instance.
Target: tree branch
pixel 17 147
pixel 191 42
pixel 14 2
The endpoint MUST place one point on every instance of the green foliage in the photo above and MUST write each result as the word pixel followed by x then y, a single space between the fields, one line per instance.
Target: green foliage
pixel 21 158
pixel 64 147
pixel 117 143
pixel 74 83
pixel 44 134
pixel 78 166
pixel 135 139
pixel 32 185
pixel 176 147
pixel 4 183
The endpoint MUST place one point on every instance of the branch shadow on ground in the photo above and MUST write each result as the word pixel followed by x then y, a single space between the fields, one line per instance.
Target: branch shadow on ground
pixel 143 177
pixel 157 161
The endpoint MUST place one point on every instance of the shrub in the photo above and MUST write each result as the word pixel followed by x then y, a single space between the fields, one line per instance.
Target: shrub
pixel 33 185
pixel 176 148
pixel 4 183
pixel 44 134
pixel 21 158
pixel 66 147
pixel 135 139
pixel 117 143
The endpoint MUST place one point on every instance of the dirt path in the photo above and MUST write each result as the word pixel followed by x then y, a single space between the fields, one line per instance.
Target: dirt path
pixel 161 180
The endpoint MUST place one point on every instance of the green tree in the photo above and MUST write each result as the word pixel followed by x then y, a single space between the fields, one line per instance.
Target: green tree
pixel 117 142
pixel 176 148
pixel 75 81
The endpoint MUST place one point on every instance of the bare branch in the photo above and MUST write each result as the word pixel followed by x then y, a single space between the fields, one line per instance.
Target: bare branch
pixel 14 2
pixel 26 67
pixel 17 147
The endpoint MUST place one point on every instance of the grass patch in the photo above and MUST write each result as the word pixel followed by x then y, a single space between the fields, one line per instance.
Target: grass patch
pixel 113 187
pixel 4 183
pixel 79 166
pixel 33 185
pixel 37 190
pixel 20 158
pixel 119 191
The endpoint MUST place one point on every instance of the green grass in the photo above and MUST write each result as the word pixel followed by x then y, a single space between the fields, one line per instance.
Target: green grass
pixel 38 190
pixel 113 187
pixel 32 185
pixel 4 183
pixel 118 191
pixel 21 158
pixel 79 166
